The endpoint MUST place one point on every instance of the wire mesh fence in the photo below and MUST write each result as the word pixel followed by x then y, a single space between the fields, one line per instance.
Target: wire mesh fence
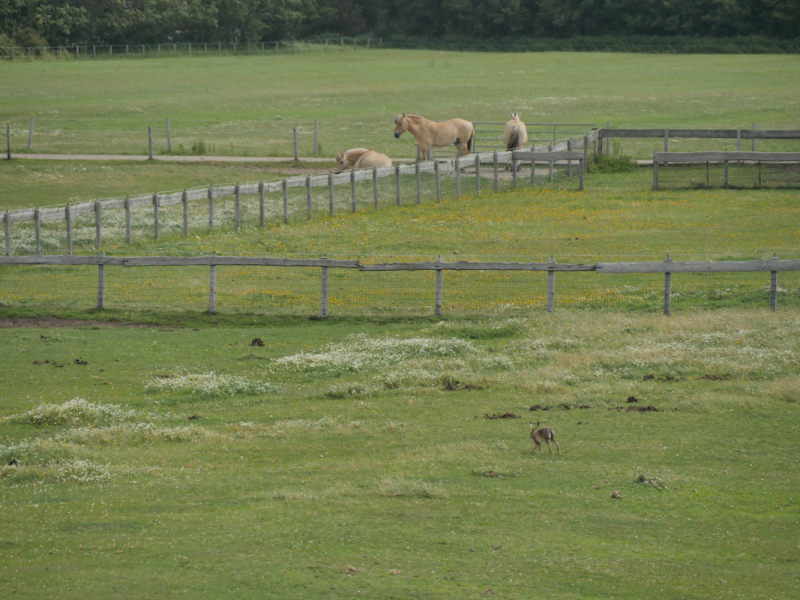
pixel 302 203
pixel 350 292
pixel 730 174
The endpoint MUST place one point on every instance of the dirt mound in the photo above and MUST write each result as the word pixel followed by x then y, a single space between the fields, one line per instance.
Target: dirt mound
pixel 647 408
pixel 707 377
pixel 539 407
pixel 508 415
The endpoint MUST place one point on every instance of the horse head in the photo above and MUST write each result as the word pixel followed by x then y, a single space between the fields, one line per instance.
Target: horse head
pixel 401 124
pixel 341 162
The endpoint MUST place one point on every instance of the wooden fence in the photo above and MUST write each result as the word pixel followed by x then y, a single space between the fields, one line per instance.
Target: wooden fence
pixel 723 158
pixel 560 152
pixel 668 267
pixel 738 134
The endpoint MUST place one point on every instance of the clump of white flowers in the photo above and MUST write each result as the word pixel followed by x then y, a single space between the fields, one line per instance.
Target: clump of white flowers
pixel 212 384
pixel 358 351
pixel 76 411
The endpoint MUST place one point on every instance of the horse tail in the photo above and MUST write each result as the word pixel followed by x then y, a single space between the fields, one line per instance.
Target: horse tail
pixel 471 140
pixel 513 138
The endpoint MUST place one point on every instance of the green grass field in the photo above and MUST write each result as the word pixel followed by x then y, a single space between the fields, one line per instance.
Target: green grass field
pixel 248 105
pixel 350 456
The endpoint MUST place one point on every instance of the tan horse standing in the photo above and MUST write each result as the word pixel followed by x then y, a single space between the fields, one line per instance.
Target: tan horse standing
pixel 437 135
pixel 361 158
pixel 515 135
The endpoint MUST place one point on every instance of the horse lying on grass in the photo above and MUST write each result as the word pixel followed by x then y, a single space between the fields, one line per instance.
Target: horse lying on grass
pixel 437 135
pixel 361 158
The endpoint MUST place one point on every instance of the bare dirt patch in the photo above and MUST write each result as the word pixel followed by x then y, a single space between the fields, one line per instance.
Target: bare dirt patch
pixel 56 323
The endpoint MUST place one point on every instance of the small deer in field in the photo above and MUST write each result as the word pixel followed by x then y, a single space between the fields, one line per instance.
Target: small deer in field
pixel 545 434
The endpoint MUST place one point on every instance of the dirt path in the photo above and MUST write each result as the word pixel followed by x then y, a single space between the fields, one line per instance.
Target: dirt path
pixel 55 323
pixel 201 159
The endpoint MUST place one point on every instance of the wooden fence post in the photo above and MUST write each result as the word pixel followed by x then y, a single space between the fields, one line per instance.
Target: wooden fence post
pixel 550 149
pixel 397 180
pixel 773 290
pixel 738 140
pixel 7 227
pixel 667 288
pixel 582 167
pixel 753 139
pixel 37 225
pixel 323 300
pixel 169 135
pixel 725 183
pixel 156 222
pixel 419 184
pixel 330 193
pixel 101 284
pixel 30 133
pixel 98 238
pixel 308 197
pixel 666 140
pixel 353 190
pixel 533 173
pixel 285 201
pixel 655 171
pixel 437 308
pixel 438 182
pixel 294 135
pixel 261 203
pixel 551 286
pixel 477 174
pixel 457 169
pixel 150 141
pixel 496 176
pixel 569 161
pixel 585 150
pixel 316 131
pixel 211 208
pixel 513 172
pixel 212 290
pixel 608 139
pixel 127 205
pixel 375 185
pixel 68 217
pixel 238 207
pixel 8 141
pixel 185 207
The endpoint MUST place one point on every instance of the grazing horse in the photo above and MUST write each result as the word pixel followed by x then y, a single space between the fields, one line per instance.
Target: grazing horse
pixel 437 135
pixel 361 158
pixel 515 135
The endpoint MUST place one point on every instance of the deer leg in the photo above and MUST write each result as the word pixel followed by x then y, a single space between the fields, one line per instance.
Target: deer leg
pixel 557 446
pixel 548 446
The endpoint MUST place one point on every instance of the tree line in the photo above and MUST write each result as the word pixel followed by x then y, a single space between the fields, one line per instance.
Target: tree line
pixel 66 22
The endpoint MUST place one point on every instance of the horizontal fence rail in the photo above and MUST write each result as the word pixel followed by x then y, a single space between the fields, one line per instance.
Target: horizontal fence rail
pixel 207 196
pixel 726 169
pixel 668 268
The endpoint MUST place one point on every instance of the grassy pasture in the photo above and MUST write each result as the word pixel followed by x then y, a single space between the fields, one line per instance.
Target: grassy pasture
pixel 615 219
pixel 308 477
pixel 248 105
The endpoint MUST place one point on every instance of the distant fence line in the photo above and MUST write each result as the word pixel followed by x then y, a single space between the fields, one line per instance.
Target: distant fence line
pixel 95 51
pixel 668 267
pixel 580 44
pixel 564 152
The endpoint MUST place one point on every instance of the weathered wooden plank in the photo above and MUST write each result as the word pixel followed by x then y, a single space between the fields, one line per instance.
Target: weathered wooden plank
pixel 25 214
pixel 674 157
pixel 197 194
pixel 224 190
pixel 256 261
pixel 169 199
pixel 48 215
pixel 743 266
pixel 463 265
pixel 525 156
pixel 249 188
pixel 702 133
pixel 61 259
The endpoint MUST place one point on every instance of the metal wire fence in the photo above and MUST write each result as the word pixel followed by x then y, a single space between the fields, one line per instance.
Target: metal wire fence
pixel 297 291
pixel 733 174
